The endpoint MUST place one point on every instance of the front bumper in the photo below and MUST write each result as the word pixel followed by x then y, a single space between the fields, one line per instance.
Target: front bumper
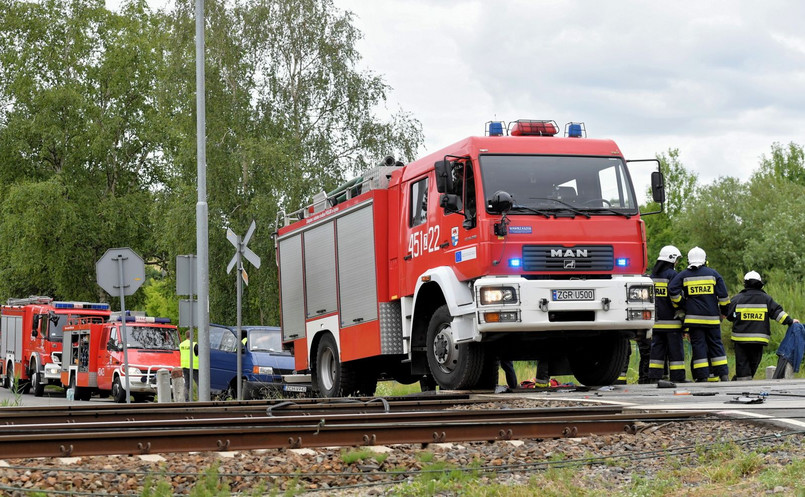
pixel 536 307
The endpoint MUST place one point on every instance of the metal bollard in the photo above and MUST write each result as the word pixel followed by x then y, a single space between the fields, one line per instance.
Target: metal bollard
pixel 163 386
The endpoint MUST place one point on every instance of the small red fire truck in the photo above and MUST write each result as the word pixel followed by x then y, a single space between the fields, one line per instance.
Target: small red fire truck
pixel 93 356
pixel 517 245
pixel 31 339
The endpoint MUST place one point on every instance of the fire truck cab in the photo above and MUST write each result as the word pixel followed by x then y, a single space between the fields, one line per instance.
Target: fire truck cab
pixel 31 339
pixel 516 245
pixel 94 356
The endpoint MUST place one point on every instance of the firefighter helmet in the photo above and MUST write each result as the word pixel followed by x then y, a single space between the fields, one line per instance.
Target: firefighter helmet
pixel 669 253
pixel 696 257
pixel 752 275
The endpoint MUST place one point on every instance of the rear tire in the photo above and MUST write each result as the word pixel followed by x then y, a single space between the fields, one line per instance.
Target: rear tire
pixel 599 361
pixel 453 366
pixel 332 378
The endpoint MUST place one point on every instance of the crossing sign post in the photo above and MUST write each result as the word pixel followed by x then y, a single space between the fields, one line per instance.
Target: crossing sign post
pixel 241 252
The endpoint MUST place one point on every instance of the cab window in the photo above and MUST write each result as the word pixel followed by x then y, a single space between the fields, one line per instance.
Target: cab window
pixel 418 203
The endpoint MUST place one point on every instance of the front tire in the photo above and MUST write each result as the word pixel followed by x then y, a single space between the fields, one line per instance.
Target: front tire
pixel 453 366
pixel 118 392
pixel 599 361
pixel 37 386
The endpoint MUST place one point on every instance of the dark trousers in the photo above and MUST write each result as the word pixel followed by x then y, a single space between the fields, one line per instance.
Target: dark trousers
pixel 508 370
pixel 188 385
pixel 667 345
pixel 709 356
pixel 644 349
pixel 747 358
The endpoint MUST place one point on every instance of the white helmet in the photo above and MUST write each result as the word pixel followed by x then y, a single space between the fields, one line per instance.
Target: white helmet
pixel 752 275
pixel 696 257
pixel 669 253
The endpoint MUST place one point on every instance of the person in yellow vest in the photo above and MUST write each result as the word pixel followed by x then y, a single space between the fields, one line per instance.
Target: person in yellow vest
pixel 184 350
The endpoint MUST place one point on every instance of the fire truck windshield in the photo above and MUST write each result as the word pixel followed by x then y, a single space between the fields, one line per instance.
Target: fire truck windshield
pixel 149 337
pixel 593 185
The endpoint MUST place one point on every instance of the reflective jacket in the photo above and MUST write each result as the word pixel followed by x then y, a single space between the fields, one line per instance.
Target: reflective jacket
pixel 702 294
pixel 664 309
pixel 751 311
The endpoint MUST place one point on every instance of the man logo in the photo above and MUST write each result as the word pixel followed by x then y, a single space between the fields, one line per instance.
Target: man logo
pixel 569 253
pixel 570 264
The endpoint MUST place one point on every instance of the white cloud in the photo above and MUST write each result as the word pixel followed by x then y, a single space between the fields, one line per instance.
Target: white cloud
pixel 721 81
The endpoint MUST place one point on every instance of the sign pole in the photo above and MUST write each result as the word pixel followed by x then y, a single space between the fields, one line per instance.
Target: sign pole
pixel 240 339
pixel 123 336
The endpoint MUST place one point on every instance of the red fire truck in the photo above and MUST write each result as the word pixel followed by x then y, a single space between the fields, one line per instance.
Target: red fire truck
pixel 31 339
pixel 93 356
pixel 517 245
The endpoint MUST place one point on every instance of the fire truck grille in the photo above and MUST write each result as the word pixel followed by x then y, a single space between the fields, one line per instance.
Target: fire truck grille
pixel 577 258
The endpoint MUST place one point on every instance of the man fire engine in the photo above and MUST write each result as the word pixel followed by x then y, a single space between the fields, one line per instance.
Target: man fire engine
pixel 93 356
pixel 31 339
pixel 515 245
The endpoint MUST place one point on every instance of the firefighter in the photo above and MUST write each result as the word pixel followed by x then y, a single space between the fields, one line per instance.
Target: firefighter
pixel 666 338
pixel 511 375
pixel 700 292
pixel 750 312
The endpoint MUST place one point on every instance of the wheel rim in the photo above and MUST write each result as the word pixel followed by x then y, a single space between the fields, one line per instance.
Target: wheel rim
pixel 327 369
pixel 444 350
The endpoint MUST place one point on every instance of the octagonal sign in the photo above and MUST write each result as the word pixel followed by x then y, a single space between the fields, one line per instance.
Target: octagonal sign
pixel 120 268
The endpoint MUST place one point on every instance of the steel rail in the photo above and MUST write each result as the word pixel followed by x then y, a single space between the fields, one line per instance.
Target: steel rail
pixel 82 413
pixel 253 433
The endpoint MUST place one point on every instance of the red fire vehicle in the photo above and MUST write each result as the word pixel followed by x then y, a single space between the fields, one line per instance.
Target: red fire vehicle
pixel 31 339
pixel 93 356
pixel 516 245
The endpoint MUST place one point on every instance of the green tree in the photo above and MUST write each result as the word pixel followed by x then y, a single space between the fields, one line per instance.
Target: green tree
pixel 288 115
pixel 785 163
pixel 79 141
pixel 681 187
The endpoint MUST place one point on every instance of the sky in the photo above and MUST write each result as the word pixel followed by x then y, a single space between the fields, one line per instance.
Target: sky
pixel 719 80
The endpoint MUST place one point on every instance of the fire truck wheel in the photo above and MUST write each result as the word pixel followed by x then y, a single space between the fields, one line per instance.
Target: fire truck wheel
pixel 118 392
pixel 332 378
pixel 37 386
pixel 453 366
pixel 600 361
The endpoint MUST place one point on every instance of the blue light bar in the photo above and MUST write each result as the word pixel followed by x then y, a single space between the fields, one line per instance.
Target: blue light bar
pixel 81 305
pixel 494 128
pixel 515 262
pixel 575 130
pixel 621 262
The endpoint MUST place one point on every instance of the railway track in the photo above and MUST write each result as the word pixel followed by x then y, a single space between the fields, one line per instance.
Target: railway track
pixel 162 428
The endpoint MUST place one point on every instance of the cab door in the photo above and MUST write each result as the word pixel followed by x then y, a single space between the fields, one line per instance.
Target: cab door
pixel 421 234
pixel 458 218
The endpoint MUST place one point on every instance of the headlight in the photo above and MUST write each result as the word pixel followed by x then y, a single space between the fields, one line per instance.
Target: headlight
pixel 498 295
pixel 640 293
pixel 134 372
pixel 263 370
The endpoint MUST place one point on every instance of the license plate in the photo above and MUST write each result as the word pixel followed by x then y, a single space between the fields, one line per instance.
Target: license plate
pixel 294 388
pixel 562 295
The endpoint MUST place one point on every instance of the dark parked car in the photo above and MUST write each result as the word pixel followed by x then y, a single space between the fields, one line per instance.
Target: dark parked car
pixel 263 361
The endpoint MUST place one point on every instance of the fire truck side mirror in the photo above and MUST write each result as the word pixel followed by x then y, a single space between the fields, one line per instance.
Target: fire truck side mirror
pixel 35 330
pixel 444 176
pixel 500 203
pixel 658 187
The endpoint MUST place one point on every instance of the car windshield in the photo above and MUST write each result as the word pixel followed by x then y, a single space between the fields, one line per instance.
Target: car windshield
pixel 265 340
pixel 150 337
pixel 594 185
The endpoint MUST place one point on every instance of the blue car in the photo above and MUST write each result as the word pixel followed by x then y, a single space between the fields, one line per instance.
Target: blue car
pixel 263 362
